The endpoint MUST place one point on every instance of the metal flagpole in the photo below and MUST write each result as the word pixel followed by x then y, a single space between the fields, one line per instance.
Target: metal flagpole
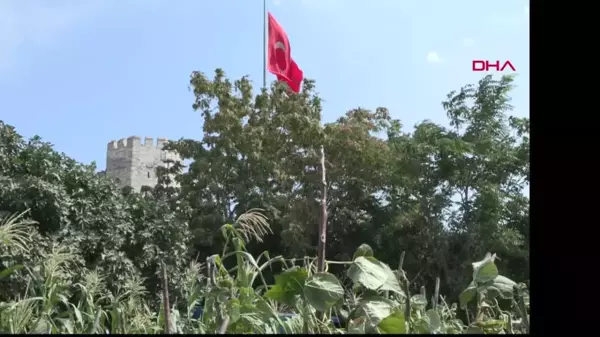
pixel 265 23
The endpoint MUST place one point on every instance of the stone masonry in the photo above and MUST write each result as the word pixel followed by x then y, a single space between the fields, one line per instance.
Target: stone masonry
pixel 133 164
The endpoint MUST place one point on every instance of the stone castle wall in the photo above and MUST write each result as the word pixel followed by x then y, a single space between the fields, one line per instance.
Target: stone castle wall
pixel 133 163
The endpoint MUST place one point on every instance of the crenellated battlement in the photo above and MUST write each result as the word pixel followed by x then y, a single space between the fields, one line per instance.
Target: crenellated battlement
pixel 133 163
pixel 135 141
pixel 117 144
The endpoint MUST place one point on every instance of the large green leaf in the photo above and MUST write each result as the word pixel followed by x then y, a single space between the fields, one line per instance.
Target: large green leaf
pixel 323 290
pixel 375 309
pixel 374 275
pixel 485 270
pixel 393 324
pixel 435 321
pixel 368 273
pixel 501 286
pixel 288 285
pixel 391 282
pixel 467 295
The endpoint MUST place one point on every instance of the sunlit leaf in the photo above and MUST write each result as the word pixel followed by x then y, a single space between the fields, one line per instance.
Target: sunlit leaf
pixel 368 273
pixel 393 324
pixel 323 290
pixel 289 284
pixel 485 270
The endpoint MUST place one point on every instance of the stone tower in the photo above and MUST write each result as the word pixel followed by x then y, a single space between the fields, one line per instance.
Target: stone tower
pixel 133 164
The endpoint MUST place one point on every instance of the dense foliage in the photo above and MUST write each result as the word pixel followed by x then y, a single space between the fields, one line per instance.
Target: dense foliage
pixel 84 256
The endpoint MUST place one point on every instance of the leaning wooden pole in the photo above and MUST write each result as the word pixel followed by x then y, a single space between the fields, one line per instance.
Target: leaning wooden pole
pixel 323 224
pixel 167 307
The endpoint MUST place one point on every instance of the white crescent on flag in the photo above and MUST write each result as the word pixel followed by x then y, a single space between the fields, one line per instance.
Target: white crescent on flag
pixel 281 45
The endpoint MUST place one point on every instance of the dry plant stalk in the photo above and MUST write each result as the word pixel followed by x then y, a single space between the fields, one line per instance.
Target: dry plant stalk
pixel 323 225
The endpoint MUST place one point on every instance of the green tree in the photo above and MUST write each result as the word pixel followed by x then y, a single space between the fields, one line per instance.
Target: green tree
pixel 490 172
pixel 263 151
pixel 120 235
pixel 255 152
pixel 456 193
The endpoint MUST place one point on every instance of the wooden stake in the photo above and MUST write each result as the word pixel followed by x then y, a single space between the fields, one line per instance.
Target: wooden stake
pixel 323 225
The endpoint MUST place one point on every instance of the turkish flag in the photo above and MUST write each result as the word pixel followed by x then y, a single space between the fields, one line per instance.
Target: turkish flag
pixel 280 62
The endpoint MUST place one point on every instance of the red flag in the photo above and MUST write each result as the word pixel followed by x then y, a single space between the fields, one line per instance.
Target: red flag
pixel 280 62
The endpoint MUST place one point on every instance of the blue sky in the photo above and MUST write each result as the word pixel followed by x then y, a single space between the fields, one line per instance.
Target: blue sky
pixel 80 73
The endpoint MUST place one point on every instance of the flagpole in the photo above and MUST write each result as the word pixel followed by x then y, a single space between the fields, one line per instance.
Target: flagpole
pixel 265 23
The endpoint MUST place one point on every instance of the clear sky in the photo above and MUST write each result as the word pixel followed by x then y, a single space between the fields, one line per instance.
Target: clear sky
pixel 80 73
